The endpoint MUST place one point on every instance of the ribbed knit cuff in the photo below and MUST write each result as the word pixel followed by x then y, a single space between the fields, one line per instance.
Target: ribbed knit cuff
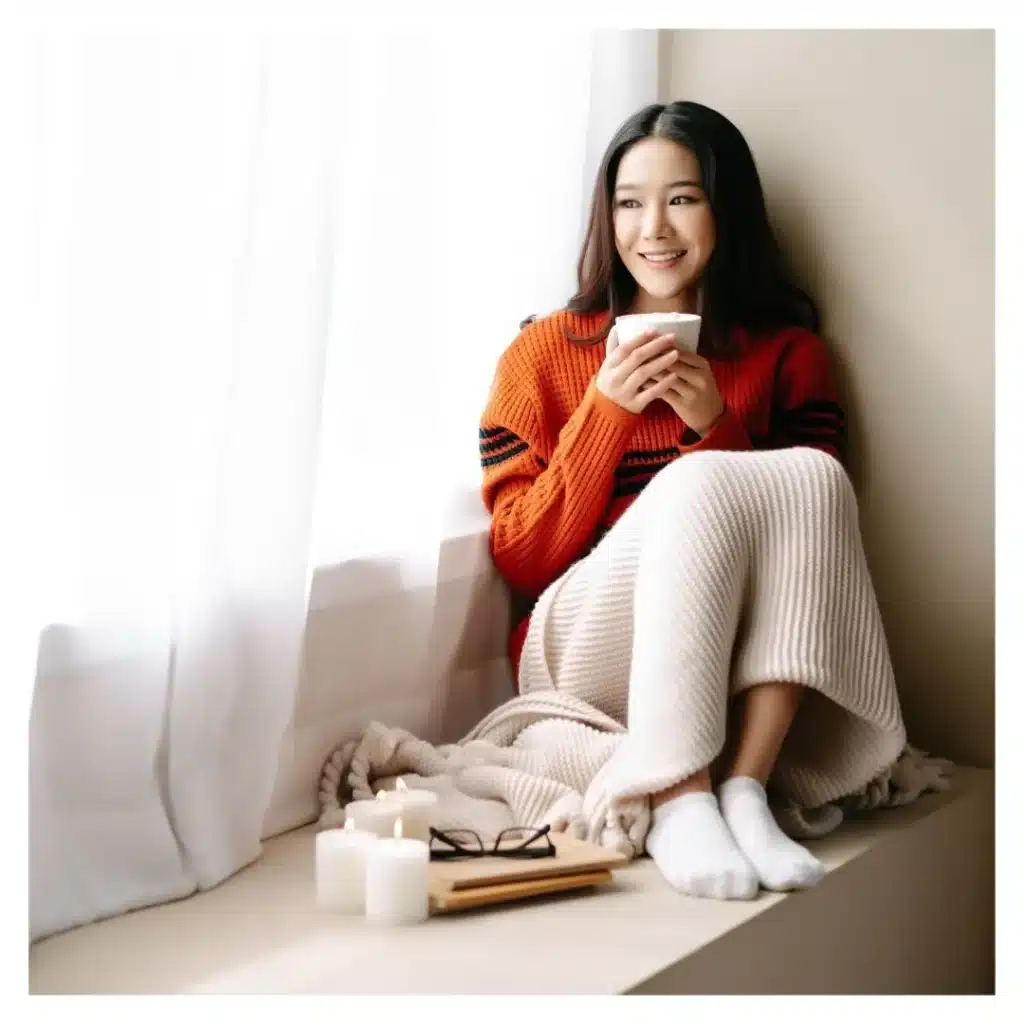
pixel 602 428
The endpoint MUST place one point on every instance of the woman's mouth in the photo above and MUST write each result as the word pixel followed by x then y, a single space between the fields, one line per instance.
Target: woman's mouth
pixel 663 260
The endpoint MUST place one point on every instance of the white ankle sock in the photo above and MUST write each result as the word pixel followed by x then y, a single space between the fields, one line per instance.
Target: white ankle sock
pixel 693 848
pixel 780 863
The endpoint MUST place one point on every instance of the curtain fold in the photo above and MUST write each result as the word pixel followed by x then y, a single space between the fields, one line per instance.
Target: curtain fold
pixel 185 247
pixel 272 278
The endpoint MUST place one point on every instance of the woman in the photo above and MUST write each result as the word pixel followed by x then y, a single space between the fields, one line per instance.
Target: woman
pixel 683 524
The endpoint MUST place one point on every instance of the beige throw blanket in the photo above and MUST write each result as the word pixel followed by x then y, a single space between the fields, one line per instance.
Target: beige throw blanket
pixel 730 569
pixel 537 760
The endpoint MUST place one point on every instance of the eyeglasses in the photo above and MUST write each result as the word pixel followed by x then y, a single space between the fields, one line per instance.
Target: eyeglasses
pixel 460 843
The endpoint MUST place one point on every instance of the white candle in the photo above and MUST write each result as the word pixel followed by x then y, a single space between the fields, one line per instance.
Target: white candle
pixel 417 809
pixel 414 806
pixel 341 868
pixel 396 880
pixel 375 816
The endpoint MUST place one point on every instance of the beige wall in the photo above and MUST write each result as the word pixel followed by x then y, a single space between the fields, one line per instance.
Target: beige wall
pixel 876 151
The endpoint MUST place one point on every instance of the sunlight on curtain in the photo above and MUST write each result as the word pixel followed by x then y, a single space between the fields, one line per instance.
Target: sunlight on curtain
pixel 457 202
pixel 184 248
pixel 466 164
pixel 272 277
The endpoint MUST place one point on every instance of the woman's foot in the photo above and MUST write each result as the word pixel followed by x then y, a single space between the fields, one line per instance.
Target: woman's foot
pixel 695 851
pixel 780 863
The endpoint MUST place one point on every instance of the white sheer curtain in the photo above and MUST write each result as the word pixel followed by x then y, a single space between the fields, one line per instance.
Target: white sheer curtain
pixel 462 202
pixel 184 198
pixel 272 277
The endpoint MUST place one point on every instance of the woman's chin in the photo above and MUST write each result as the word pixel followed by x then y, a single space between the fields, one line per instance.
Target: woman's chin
pixel 665 291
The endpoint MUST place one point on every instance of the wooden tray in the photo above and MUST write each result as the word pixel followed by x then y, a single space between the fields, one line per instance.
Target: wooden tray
pixel 444 900
pixel 573 857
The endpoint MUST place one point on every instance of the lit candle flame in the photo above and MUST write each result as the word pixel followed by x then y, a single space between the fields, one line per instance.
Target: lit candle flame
pixel 401 786
pixel 398 828
pixel 350 825
pixel 382 794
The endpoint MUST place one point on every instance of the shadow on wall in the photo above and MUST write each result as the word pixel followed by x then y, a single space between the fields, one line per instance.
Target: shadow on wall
pixel 798 234
pixel 941 638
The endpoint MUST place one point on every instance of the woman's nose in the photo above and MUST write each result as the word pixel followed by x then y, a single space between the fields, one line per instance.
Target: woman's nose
pixel 653 221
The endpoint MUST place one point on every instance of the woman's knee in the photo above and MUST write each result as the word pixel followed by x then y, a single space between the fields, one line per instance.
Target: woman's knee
pixel 833 487
pixel 695 476
pixel 702 476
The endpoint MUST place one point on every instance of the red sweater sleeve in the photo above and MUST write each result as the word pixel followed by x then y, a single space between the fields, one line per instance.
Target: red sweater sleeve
pixel 806 410
pixel 805 406
pixel 546 494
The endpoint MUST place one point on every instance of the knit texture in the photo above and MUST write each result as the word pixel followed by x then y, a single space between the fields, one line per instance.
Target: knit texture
pixel 539 760
pixel 741 568
pixel 733 569
pixel 562 463
pixel 662 585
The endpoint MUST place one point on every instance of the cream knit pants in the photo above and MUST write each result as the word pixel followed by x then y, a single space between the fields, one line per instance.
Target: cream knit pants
pixel 731 569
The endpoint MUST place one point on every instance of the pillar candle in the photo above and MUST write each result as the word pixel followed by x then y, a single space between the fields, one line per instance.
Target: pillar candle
pixel 417 810
pixel 396 880
pixel 341 868
pixel 414 806
pixel 375 816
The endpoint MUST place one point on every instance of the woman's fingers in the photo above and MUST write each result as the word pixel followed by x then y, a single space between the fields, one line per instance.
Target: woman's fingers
pixel 649 369
pixel 693 360
pixel 656 389
pixel 637 352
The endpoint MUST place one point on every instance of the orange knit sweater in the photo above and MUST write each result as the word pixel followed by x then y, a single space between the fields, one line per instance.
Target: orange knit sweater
pixel 561 462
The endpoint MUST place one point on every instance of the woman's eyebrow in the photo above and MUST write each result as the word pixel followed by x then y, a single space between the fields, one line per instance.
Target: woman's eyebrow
pixel 674 184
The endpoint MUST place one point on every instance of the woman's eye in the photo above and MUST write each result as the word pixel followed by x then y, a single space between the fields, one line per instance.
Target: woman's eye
pixel 629 204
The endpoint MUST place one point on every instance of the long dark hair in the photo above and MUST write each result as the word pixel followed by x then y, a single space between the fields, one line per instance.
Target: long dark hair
pixel 745 283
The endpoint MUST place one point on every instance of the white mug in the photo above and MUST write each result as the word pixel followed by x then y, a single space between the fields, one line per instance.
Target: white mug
pixel 684 327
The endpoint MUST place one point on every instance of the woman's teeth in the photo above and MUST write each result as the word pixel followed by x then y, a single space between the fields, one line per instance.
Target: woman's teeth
pixel 662 257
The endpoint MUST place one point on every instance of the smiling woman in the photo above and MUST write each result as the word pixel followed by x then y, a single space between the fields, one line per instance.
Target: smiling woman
pixel 659 550
pixel 664 228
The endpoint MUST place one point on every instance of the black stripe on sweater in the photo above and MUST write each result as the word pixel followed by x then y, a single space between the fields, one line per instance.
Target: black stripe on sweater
pixel 487 432
pixel 629 487
pixel 495 460
pixel 625 472
pixel 815 406
pixel 815 423
pixel 658 453
pixel 491 446
pixel 826 414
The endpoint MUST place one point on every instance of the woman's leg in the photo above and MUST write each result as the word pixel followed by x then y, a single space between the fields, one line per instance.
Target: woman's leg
pixel 761 718
pixel 763 714
pixel 688 834
pixel 647 629
pixel 693 846
pixel 691 842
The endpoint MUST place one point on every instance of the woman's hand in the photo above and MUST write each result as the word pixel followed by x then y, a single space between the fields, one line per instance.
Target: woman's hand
pixel 635 373
pixel 693 393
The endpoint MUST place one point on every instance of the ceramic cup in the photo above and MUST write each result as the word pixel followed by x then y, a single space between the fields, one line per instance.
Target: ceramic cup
pixel 685 327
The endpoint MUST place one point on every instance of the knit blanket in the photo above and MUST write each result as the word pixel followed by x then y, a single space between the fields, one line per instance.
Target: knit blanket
pixel 537 760
pixel 730 569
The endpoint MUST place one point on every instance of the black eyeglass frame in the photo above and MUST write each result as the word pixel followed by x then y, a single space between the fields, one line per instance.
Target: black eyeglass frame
pixel 524 851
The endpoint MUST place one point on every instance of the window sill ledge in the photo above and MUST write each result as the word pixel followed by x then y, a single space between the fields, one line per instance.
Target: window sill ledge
pixel 661 942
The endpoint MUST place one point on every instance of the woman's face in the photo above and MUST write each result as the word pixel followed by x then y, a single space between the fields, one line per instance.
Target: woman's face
pixel 658 209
